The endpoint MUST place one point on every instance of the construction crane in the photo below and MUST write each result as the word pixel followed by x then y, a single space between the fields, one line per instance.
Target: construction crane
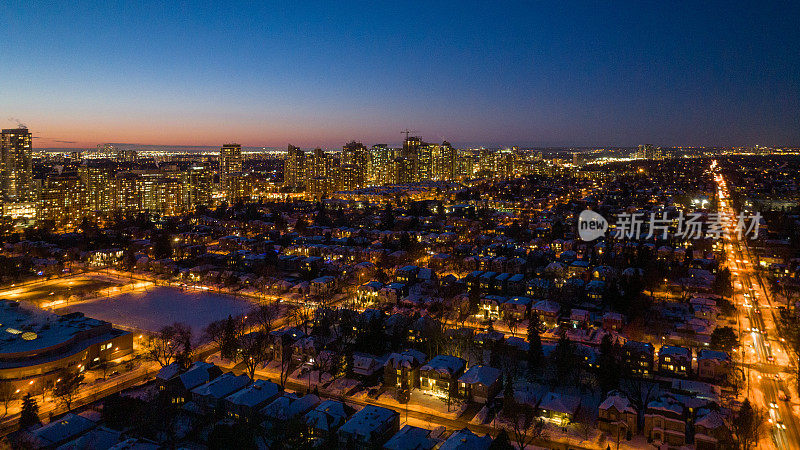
pixel 407 132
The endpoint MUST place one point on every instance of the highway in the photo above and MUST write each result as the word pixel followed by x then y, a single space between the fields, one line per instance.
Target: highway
pixel 765 359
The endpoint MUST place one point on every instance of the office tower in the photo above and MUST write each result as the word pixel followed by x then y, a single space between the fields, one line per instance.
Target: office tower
pixel 126 155
pixel 379 166
pixel 230 161
pixel 294 167
pixel 16 166
pixel 198 186
pixel 105 151
pixel 97 180
pixel 647 151
pixel 61 200
pixel 443 162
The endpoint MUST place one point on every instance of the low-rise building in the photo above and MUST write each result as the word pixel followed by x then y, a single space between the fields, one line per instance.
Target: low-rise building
pixel 713 365
pixel 440 375
pixel 479 384
pixel 665 422
pixel 370 427
pixel 674 361
pixel 617 417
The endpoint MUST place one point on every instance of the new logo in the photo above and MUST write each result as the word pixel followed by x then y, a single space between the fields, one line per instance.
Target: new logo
pixel 591 225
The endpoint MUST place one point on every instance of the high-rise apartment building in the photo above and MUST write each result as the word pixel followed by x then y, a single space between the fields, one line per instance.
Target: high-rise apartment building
pixel 379 166
pixel 198 185
pixel 294 167
pixel 61 200
pixel 230 161
pixel 16 165
pixel 98 189
pixel 443 161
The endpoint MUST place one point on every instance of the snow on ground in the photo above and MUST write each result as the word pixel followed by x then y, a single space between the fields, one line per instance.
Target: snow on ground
pixel 162 306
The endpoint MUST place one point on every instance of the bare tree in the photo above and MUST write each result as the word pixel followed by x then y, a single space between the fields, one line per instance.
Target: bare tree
pixel 7 395
pixel 524 424
pixel 253 350
pixel 749 426
pixel 640 392
pixel 172 343
pixel 513 324
pixel 266 315
pixel 286 363
pixel 66 388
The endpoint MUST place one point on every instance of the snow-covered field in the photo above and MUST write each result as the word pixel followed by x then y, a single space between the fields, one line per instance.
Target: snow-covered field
pixel 162 306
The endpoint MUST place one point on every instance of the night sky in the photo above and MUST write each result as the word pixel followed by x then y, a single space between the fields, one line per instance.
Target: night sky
pixel 475 73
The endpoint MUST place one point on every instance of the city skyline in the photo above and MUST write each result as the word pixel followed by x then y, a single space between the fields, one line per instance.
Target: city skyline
pixel 571 75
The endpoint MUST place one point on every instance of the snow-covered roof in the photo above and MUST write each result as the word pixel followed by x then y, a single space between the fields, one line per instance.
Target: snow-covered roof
pixel 618 402
pixel 484 375
pixel 26 331
pixel 67 427
pixel 370 418
pixel 197 374
pixel 327 416
pixel 411 438
pixel 169 371
pixel 466 440
pixel 290 405
pixel 670 350
pixel 408 359
pixel 99 438
pixel 366 365
pixel 711 420
pixel 713 354
pixel 257 393
pixel 546 306
pixel 562 403
pixel 445 364
pixel 222 386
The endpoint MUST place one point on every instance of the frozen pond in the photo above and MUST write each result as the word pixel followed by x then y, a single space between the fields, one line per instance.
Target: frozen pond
pixel 162 306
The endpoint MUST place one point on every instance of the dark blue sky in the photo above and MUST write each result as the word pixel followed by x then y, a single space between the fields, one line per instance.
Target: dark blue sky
pixel 491 73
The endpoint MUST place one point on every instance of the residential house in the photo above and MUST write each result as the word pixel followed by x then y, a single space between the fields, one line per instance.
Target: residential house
pixel 559 408
pixel 517 308
pixel 209 396
pixel 411 438
pixel 440 375
pixel 370 427
pixel 675 361
pixel 177 385
pixel 710 431
pixel 401 372
pixel 479 384
pixel 547 312
pixel 466 440
pixel 288 406
pixel 637 358
pixel 617 417
pixel 327 417
pixel 713 365
pixel 665 422
pixel 246 403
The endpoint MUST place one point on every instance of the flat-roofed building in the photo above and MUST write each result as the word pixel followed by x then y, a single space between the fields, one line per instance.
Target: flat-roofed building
pixel 37 345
